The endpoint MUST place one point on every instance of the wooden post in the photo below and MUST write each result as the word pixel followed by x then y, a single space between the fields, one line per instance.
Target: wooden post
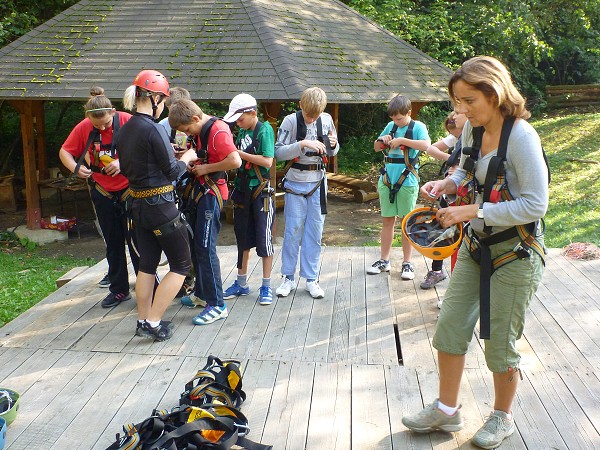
pixel 32 193
pixel 415 108
pixel 334 110
pixel 271 113
pixel 40 128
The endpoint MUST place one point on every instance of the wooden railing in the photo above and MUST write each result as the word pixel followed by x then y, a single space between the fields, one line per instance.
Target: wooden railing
pixel 573 95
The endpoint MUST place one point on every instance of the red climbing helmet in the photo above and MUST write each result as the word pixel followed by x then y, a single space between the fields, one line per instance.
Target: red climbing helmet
pixel 153 81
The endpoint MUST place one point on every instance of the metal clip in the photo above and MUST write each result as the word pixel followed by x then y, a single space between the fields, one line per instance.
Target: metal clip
pixel 522 252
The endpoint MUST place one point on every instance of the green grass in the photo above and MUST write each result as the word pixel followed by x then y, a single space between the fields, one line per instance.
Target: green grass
pixel 27 276
pixel 574 209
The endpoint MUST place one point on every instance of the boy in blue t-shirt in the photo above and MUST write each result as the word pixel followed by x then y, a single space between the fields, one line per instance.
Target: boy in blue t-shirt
pixel 398 185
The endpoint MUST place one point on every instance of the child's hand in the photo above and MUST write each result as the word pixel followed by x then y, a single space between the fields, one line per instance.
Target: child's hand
pixel 332 139
pixel 316 146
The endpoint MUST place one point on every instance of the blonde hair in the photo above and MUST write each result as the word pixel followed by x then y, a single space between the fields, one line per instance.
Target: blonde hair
pixel 129 98
pixel 177 93
pixel 400 104
pixel 182 111
pixel 314 101
pixel 98 105
pixel 490 76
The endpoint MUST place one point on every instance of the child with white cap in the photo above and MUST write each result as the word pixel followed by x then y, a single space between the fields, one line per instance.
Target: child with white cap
pixel 254 209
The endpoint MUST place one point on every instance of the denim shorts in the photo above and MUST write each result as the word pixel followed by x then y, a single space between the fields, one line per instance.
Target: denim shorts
pixel 512 287
pixel 405 201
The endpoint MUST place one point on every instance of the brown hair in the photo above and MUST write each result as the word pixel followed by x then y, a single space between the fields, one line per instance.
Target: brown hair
pixel 182 111
pixel 98 105
pixel 490 76
pixel 399 105
pixel 177 93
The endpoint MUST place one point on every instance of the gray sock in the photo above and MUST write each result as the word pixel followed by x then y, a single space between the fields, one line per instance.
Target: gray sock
pixel 242 280
pixel 266 282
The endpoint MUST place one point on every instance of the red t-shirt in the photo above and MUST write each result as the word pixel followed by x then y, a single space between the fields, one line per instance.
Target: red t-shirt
pixel 75 144
pixel 220 144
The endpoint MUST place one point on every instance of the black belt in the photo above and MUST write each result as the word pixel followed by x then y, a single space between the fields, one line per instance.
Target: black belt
pixel 318 166
pixel 392 160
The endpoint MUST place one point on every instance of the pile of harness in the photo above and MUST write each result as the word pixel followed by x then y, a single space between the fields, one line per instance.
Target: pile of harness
pixel 207 416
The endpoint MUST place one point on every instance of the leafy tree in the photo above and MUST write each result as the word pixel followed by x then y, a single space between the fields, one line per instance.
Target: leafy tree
pixel 17 18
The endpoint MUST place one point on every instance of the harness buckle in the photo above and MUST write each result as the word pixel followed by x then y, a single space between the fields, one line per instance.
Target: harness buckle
pixel 243 429
pixel 521 251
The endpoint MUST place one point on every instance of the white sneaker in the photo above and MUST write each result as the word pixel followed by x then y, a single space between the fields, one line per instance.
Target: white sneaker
pixel 378 267
pixel 285 288
pixel 408 271
pixel 314 289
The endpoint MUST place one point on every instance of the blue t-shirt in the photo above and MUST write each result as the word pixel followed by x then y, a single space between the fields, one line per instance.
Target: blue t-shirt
pixel 395 170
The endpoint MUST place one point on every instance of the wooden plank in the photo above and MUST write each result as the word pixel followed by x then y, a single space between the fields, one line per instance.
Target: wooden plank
pixel 250 341
pixel 340 315
pixel 287 422
pixel 555 396
pixel 91 423
pixel 381 344
pixel 403 397
pixel 316 346
pixel 412 328
pixel 58 398
pixel 70 275
pixel 533 420
pixel 329 424
pixel 585 388
pixel 357 336
pixel 145 396
pixel 370 419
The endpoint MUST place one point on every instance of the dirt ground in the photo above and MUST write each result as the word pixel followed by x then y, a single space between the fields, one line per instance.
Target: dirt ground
pixel 347 223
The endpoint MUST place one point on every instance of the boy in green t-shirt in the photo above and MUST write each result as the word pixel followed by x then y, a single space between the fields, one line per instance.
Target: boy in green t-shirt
pixel 254 209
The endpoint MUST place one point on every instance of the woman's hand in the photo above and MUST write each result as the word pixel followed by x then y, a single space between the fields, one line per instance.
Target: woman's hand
pixel 113 168
pixel 456 214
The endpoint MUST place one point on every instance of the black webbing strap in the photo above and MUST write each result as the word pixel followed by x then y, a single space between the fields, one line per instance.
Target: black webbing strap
pixel 300 135
pixel 299 166
pixel 496 165
pixel 94 134
pixel 410 163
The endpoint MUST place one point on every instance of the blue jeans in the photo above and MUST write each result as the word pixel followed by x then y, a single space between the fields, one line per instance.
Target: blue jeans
pixel 209 286
pixel 303 226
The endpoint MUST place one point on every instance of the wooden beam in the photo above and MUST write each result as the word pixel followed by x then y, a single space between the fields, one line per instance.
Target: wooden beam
pixel 32 193
pixel 271 113
pixel 334 110
pixel 40 131
pixel 415 108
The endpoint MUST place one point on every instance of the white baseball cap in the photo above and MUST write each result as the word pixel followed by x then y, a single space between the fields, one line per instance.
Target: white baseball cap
pixel 240 104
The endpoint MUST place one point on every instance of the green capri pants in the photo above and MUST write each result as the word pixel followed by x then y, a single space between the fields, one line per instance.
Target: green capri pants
pixel 512 287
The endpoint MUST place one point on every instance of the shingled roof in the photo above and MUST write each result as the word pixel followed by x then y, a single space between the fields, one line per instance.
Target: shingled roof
pixel 216 49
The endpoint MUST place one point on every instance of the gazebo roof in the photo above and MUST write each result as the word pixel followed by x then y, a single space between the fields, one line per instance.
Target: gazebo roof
pixel 271 49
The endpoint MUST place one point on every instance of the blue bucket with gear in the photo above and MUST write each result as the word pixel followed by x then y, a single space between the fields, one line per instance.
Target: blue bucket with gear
pixel 9 405
pixel 2 432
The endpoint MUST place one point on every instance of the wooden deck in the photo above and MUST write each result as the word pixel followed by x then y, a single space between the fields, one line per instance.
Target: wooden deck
pixel 336 373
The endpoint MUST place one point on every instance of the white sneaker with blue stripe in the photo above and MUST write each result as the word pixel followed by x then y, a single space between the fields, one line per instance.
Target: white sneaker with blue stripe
pixel 210 314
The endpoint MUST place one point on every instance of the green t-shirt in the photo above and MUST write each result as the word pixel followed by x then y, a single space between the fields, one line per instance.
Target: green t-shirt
pixel 265 147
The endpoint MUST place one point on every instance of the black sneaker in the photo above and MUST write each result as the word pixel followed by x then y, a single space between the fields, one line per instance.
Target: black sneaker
pixel 140 332
pixel 160 333
pixel 114 299
pixel 104 282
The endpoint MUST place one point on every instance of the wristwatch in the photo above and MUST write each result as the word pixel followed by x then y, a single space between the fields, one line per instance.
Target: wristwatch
pixel 480 211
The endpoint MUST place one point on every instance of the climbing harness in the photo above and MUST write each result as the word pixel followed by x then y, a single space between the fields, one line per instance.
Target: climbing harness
pixel 410 164
pixel 204 420
pixel 495 190
pixel 322 165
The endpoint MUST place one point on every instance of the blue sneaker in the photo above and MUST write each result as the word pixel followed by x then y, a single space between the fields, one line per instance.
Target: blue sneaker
pixel 235 290
pixel 191 301
pixel 265 295
pixel 210 314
